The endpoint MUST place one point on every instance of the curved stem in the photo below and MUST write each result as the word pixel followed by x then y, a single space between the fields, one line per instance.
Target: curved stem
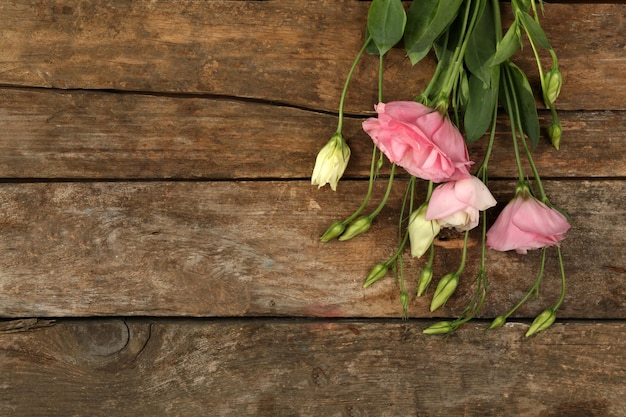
pixel 408 196
pixel 476 304
pixel 464 254
pixel 370 187
pixel 438 71
pixel 386 196
pixel 347 82
pixel 534 288
pixel 539 67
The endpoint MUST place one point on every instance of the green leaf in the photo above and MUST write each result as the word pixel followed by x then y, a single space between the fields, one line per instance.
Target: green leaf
pixel 523 5
pixel 481 45
pixel 385 22
pixel 483 97
pixel 508 45
pixel 525 103
pixel 426 21
pixel 418 19
pixel 534 30
pixel 371 47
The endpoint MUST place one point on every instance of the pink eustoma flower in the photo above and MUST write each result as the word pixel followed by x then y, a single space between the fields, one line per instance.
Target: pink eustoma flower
pixel 458 203
pixel 525 224
pixel 419 139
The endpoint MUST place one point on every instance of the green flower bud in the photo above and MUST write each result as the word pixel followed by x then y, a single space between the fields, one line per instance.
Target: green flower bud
pixel 335 230
pixel 554 131
pixel 552 81
pixel 445 289
pixel 443 327
pixel 404 300
pixel 331 162
pixel 542 322
pixel 360 225
pixel 424 280
pixel 497 322
pixel 379 271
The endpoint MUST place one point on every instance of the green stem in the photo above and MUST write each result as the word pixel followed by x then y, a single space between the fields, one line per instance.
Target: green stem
pixel 370 187
pixel 534 288
pixel 464 254
pixel 539 67
pixel 562 267
pixel 408 196
pixel 386 196
pixel 533 167
pixel 512 117
pixel 516 120
pixel 347 82
pixel 457 60
pixel 483 249
pixel 497 18
pixel 429 192
pixel 380 78
pixel 476 304
pixel 438 70
pixel 482 169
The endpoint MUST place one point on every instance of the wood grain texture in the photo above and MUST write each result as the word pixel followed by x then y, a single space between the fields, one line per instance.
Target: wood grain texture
pixel 98 135
pixel 297 368
pixel 262 49
pixel 252 248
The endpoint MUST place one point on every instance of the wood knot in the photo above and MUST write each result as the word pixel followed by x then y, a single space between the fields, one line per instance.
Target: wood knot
pixel 105 343
pixel 102 338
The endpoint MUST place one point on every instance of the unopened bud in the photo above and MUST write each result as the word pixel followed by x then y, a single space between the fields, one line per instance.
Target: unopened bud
pixel 331 162
pixel 379 271
pixel 424 280
pixel 554 131
pixel 334 231
pixel 404 300
pixel 445 288
pixel 497 322
pixel 542 322
pixel 552 81
pixel 360 225
pixel 422 232
pixel 443 327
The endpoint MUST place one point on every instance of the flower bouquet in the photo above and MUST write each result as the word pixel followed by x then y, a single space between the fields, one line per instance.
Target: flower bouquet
pixel 475 79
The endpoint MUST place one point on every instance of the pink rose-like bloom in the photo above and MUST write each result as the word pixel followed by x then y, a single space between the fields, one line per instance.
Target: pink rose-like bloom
pixel 526 223
pixel 419 139
pixel 458 203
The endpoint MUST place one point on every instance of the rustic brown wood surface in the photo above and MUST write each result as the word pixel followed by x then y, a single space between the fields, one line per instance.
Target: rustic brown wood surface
pixel 310 369
pixel 262 50
pixel 159 236
pixel 95 135
pixel 233 248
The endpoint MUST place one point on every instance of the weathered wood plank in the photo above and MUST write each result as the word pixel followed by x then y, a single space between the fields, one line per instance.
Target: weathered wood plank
pixel 284 368
pixel 94 135
pixel 288 51
pixel 251 248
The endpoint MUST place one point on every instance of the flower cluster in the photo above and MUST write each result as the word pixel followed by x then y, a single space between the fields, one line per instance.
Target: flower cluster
pixel 475 78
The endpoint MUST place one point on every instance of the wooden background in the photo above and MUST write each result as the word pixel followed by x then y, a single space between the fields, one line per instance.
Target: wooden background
pixel 159 250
